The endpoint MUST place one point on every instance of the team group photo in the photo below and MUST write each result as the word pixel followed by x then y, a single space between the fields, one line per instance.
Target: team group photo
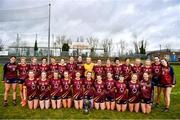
pixel 89 59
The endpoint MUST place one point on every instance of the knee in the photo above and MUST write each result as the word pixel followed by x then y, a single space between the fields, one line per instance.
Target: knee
pixel 7 90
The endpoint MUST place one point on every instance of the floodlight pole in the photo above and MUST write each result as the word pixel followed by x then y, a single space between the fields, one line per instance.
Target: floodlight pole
pixel 49 32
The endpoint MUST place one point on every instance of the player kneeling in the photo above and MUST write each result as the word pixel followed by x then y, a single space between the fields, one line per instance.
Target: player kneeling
pixel 121 95
pixel 99 98
pixel 110 94
pixel 30 91
pixel 134 93
pixel 44 91
pixel 56 91
pixel 67 92
pixel 146 92
pixel 78 91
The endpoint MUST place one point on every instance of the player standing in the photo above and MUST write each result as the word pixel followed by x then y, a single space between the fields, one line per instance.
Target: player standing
pixel 134 94
pixel 56 91
pixel 78 91
pixel 67 90
pixel 10 78
pixel 121 95
pixel 168 81
pixel 44 91
pixel 146 93
pixel 30 91
pixel 23 69
pixel 110 92
pixel 99 97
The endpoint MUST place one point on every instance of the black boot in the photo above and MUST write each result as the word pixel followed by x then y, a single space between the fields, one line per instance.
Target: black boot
pixel 166 110
pixel 5 103
pixel 14 102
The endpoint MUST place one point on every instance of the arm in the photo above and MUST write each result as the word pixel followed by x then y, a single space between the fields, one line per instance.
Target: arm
pixel 172 75
pixel 4 72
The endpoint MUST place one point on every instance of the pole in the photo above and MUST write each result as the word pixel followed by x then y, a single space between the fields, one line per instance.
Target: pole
pixel 49 32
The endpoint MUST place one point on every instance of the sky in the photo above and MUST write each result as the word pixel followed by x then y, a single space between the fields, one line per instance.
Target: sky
pixel 156 21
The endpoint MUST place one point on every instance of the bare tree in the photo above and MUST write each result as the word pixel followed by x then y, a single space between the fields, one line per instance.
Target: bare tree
pixel 107 45
pixel 60 40
pixel 168 46
pixel 122 45
pixel 1 45
pixel 93 41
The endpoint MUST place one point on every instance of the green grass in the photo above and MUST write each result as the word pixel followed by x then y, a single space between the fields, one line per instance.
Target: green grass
pixel 18 112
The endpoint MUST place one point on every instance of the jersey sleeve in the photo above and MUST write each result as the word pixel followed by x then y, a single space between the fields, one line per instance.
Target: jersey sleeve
pixel 4 72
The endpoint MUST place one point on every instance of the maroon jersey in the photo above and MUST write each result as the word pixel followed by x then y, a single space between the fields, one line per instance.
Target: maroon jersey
pixel 88 88
pixel 61 69
pixel 43 68
pixel 52 68
pixel 23 71
pixel 110 88
pixel 10 71
pixel 121 92
pixel 156 70
pixel 146 90
pixel 71 69
pixel 56 87
pixel 138 70
pixel 167 76
pixel 134 92
pixel 108 69
pixel 127 70
pixel 44 89
pixel 80 68
pixel 77 89
pixel 66 88
pixel 35 69
pixel 98 70
pixel 99 95
pixel 147 69
pixel 117 70
pixel 32 88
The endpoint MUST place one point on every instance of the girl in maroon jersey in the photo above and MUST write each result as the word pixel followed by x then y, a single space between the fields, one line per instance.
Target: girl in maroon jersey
pixel 134 93
pixel 78 91
pixel 23 68
pixel 146 93
pixel 30 89
pixel 108 67
pixel 34 67
pixel 121 95
pixel 56 91
pixel 44 66
pixel 67 90
pixel 71 67
pixel 80 66
pixel 156 78
pixel 10 79
pixel 117 69
pixel 127 70
pixel 168 81
pixel 110 92
pixel 44 91
pixel 62 68
pixel 148 67
pixel 99 97
pixel 137 68
pixel 89 88
pixel 53 66
pixel 98 68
